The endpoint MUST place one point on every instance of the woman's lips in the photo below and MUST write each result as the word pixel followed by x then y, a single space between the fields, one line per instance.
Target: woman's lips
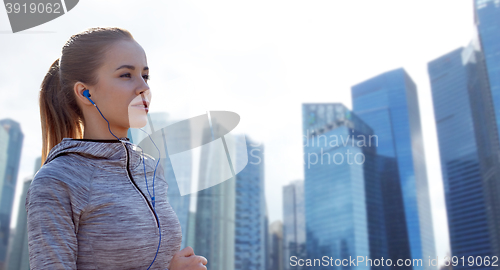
pixel 141 107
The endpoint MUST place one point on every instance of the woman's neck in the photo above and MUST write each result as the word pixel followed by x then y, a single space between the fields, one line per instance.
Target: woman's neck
pixel 97 132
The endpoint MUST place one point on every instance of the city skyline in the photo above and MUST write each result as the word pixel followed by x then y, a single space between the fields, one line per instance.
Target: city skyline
pixel 186 70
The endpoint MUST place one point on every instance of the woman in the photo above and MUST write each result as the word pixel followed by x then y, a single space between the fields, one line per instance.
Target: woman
pixel 90 204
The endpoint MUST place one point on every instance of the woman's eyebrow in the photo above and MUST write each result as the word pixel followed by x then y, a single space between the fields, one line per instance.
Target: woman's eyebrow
pixel 130 67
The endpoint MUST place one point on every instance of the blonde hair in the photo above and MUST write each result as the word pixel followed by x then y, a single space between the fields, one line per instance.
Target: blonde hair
pixel 81 56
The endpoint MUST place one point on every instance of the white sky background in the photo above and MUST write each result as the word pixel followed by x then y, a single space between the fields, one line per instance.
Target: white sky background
pixel 261 59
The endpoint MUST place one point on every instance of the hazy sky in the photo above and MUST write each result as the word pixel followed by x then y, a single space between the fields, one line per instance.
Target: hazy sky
pixel 261 59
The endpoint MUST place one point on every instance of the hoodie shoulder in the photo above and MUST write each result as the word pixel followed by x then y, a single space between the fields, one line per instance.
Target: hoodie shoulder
pixel 67 168
pixel 56 200
pixel 63 182
pixel 64 174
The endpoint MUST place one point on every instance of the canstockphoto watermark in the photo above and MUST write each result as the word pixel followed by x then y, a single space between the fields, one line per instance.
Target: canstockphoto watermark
pixel 335 148
pixel 354 261
pixel 366 261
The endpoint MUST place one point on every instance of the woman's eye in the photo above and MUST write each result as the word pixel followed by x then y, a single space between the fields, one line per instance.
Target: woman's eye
pixel 146 77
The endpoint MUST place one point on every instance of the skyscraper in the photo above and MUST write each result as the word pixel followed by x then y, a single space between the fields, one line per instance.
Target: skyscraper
pixel 468 145
pixel 294 222
pixel 487 20
pixel 11 140
pixel 343 204
pixel 19 253
pixel 276 246
pixel 215 212
pixel 388 103
pixel 231 216
pixel 250 216
pixel 18 250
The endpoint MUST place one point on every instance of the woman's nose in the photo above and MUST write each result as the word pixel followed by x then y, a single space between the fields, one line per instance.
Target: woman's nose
pixel 144 90
pixel 146 95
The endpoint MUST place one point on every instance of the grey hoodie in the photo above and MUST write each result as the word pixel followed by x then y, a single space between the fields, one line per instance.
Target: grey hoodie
pixel 88 208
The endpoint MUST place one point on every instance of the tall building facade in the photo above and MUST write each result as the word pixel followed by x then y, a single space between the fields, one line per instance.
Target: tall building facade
pixel 389 104
pixel 343 202
pixel 294 222
pixel 487 20
pixel 18 248
pixel 468 145
pixel 251 215
pixel 215 213
pixel 18 251
pixel 11 140
pixel 275 246
pixel 231 216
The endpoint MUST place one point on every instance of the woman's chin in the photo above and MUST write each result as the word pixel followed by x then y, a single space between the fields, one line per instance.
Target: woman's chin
pixel 137 117
pixel 138 121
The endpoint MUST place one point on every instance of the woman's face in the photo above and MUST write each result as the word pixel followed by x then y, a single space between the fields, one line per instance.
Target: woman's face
pixel 122 92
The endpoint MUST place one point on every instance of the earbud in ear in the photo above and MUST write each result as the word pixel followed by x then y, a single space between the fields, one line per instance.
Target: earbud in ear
pixel 87 95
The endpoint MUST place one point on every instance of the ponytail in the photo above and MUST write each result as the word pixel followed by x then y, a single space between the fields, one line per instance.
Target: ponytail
pixel 82 55
pixel 59 116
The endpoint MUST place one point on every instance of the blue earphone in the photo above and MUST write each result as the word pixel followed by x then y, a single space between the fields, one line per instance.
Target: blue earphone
pixel 87 95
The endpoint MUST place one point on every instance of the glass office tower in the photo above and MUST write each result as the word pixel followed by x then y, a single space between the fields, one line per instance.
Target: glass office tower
pixel 343 203
pixel 231 217
pixel 215 212
pixel 18 249
pixel 250 217
pixel 275 243
pixel 487 19
pixel 468 145
pixel 294 223
pixel 388 103
pixel 11 142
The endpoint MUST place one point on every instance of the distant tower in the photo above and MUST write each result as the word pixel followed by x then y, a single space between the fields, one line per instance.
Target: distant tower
pixel 251 225
pixel 276 259
pixel 18 251
pixel 487 19
pixel 342 191
pixel 469 149
pixel 388 103
pixel 11 142
pixel 231 221
pixel 215 212
pixel 294 223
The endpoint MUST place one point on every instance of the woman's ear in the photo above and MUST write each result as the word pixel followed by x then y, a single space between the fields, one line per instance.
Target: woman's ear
pixel 78 89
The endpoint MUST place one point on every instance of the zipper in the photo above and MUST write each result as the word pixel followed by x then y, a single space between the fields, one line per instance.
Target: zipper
pixel 129 174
